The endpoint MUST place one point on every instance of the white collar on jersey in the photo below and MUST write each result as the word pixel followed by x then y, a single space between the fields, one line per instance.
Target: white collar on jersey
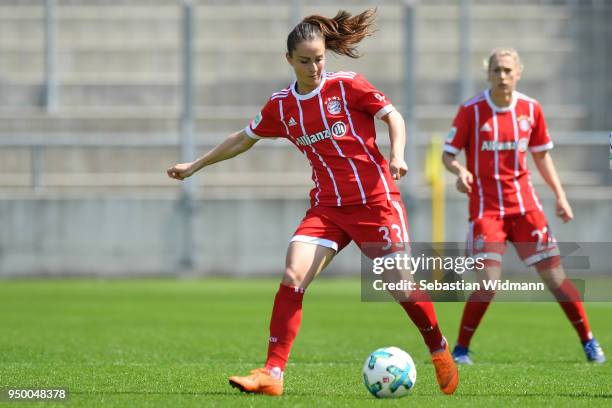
pixel 311 93
pixel 497 108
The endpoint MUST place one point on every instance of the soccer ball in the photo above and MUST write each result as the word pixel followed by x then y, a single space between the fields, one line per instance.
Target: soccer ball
pixel 389 372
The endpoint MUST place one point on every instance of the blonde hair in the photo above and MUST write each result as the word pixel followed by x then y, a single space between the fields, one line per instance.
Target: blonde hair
pixel 501 52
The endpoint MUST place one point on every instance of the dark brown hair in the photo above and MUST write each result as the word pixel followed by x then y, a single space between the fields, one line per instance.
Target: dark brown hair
pixel 341 33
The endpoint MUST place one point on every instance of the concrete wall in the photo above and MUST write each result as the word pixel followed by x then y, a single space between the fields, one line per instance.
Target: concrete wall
pixel 123 235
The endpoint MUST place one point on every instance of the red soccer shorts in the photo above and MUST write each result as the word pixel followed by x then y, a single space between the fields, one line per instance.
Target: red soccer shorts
pixel 529 233
pixel 383 223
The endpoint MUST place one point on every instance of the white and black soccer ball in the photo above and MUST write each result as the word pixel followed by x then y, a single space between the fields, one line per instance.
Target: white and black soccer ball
pixel 389 372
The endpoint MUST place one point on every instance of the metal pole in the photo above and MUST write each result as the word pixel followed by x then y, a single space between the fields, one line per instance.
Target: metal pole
pixel 50 87
pixel 187 146
pixel 598 51
pixel 466 84
pixel 37 167
pixel 408 96
pixel 296 12
pixel 296 17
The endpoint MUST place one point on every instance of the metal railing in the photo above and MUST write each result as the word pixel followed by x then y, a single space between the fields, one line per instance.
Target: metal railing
pixel 37 145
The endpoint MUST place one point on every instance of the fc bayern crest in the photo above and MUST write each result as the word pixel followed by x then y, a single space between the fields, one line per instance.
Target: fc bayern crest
pixel 524 123
pixel 334 107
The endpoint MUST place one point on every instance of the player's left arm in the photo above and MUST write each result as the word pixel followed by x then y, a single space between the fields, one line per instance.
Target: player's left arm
pixel 365 97
pixel 397 135
pixel 546 167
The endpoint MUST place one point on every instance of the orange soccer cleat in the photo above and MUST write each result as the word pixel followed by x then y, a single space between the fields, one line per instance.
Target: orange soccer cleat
pixel 446 370
pixel 259 382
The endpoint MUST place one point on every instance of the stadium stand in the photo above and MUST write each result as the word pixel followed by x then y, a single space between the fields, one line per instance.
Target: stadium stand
pixel 115 129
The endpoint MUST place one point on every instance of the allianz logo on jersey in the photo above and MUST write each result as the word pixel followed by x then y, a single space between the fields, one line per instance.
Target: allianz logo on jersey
pixel 494 145
pixel 338 129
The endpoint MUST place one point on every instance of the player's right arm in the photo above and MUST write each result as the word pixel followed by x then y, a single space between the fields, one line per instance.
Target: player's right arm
pixel 464 177
pixel 234 145
pixel 266 124
pixel 540 144
pixel 456 140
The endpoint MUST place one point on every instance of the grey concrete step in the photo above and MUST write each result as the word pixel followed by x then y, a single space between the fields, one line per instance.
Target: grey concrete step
pixel 246 93
pixel 219 30
pixel 277 156
pixel 155 21
pixel 203 43
pixel 132 62
pixel 434 118
pixel 256 180
pixel 269 164
pixel 236 10
pixel 140 38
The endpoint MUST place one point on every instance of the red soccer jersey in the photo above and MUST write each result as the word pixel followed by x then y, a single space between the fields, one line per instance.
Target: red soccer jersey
pixel 333 126
pixel 496 141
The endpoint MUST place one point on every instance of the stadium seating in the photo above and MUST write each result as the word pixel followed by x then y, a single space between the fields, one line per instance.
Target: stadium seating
pixel 116 125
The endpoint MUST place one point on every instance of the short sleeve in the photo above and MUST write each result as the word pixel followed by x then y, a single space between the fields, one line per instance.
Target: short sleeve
pixel 365 97
pixel 457 137
pixel 266 124
pixel 540 139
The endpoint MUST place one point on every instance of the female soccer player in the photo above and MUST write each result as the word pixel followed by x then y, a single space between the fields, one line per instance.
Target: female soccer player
pixel 329 117
pixel 496 128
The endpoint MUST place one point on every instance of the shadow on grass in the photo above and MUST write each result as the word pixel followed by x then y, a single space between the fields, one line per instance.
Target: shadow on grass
pixel 533 362
pixel 195 394
pixel 540 394
pixel 228 393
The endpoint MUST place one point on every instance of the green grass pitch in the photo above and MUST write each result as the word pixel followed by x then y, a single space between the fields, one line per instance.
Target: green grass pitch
pixel 155 342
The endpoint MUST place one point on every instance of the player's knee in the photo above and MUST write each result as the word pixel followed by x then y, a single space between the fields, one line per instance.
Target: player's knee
pixel 554 262
pixel 293 276
pixel 551 272
pixel 491 264
pixel 400 296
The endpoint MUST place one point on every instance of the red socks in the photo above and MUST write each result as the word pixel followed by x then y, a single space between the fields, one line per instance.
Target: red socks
pixel 421 311
pixel 569 299
pixel 287 317
pixel 567 295
pixel 474 310
pixel 284 324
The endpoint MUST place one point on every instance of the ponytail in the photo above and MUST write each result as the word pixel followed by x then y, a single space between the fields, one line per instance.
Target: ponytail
pixel 341 33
